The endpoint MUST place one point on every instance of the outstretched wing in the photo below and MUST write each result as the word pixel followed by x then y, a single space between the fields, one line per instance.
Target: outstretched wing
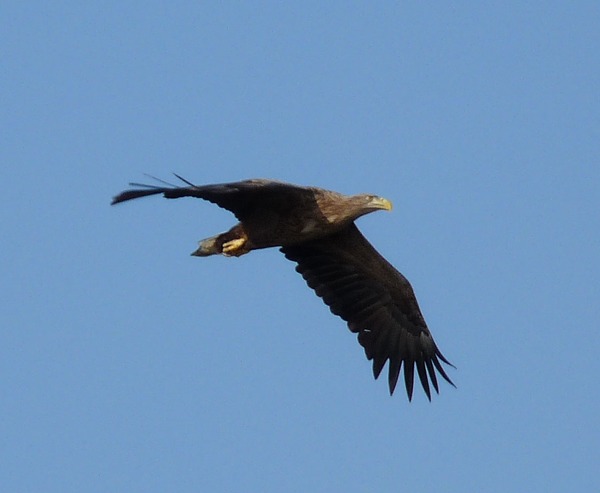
pixel 376 301
pixel 241 198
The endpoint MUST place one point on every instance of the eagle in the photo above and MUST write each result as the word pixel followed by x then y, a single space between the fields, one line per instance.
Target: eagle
pixel 315 228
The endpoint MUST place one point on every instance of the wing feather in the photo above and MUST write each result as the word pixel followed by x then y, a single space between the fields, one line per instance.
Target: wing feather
pixel 242 197
pixel 376 301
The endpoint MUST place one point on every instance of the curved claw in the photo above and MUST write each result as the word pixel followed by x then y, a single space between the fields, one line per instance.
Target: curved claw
pixel 235 247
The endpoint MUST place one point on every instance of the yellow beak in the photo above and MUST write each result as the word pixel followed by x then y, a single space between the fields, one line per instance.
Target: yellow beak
pixel 381 203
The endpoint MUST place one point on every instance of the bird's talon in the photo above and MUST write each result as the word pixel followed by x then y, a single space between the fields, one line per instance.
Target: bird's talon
pixel 234 247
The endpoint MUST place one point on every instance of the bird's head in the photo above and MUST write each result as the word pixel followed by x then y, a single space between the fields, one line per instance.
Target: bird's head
pixel 359 205
pixel 341 209
pixel 374 203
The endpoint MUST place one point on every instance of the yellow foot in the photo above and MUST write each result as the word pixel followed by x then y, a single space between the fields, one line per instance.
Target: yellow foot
pixel 234 247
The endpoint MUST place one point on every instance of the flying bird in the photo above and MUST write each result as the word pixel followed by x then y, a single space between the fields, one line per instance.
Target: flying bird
pixel 315 228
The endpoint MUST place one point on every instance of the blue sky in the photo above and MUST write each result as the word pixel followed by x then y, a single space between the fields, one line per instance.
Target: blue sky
pixel 128 365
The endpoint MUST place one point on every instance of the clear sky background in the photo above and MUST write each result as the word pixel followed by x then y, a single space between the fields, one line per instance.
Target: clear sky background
pixel 127 365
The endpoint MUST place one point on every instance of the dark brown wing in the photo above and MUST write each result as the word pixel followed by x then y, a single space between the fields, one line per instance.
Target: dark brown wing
pixel 242 198
pixel 378 303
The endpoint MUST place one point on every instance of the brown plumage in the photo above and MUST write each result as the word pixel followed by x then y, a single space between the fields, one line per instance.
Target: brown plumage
pixel 315 228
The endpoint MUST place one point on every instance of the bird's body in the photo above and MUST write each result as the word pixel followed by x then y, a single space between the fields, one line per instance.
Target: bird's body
pixel 315 228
